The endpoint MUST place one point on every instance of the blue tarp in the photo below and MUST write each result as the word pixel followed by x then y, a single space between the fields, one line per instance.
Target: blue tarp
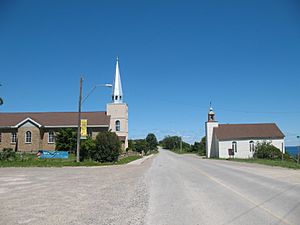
pixel 44 154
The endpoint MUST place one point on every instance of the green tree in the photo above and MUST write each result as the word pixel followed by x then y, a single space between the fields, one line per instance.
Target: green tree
pixel 131 144
pixel 108 147
pixel 142 146
pixel 174 142
pixel 152 141
pixel 200 147
pixel 66 140
pixel 171 142
pixel 266 150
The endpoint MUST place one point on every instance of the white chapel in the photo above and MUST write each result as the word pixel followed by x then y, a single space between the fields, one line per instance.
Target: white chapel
pixel 239 140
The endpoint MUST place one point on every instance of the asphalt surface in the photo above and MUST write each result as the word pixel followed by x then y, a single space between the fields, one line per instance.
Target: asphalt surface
pixel 187 190
pixel 167 189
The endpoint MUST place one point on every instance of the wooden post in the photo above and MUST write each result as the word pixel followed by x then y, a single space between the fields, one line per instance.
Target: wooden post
pixel 79 118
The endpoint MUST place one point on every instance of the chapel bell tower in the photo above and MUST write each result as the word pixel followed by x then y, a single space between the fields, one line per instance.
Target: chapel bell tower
pixel 118 111
pixel 209 131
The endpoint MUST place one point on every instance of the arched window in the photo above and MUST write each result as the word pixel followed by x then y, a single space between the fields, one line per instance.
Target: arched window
pixel 28 137
pixel 51 137
pixel 251 146
pixel 234 146
pixel 13 137
pixel 118 125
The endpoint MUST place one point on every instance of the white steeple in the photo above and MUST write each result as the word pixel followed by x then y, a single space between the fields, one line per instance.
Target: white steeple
pixel 117 96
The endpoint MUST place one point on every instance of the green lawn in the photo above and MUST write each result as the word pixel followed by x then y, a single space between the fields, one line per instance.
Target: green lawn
pixel 31 160
pixel 269 162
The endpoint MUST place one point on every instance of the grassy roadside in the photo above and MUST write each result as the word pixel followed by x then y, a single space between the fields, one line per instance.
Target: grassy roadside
pixel 35 162
pixel 269 162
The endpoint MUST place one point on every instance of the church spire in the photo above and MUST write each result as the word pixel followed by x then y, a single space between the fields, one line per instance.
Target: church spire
pixel 117 96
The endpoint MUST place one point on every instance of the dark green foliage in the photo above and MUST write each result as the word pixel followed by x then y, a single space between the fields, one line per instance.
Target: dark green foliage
pixel 186 147
pixel 108 147
pixel 1 101
pixel 7 154
pixel 266 150
pixel 131 145
pixel 174 143
pixel 141 146
pixel 152 141
pixel 171 142
pixel 66 140
pixel 199 147
pixel 86 147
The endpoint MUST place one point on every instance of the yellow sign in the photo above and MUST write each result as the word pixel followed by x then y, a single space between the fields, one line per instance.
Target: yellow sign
pixel 83 129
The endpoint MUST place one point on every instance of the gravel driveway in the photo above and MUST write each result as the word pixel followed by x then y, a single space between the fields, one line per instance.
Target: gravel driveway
pixel 90 195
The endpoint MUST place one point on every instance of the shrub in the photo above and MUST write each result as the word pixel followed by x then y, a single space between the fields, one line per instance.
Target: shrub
pixel 66 139
pixel 108 147
pixel 141 146
pixel 266 150
pixel 8 154
pixel 131 145
pixel 86 147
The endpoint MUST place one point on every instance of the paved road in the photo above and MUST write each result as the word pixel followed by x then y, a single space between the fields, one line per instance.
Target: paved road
pixel 187 190
pixel 167 189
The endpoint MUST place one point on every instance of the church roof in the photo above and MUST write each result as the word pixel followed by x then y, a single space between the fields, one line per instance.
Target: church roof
pixel 54 119
pixel 248 131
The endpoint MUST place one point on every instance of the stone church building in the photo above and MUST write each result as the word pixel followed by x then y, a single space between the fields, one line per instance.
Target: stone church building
pixel 36 130
pixel 239 140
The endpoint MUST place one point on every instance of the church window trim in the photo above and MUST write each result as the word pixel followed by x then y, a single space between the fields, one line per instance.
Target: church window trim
pixel 51 137
pixel 28 137
pixel 251 146
pixel 234 146
pixel 13 137
pixel 118 125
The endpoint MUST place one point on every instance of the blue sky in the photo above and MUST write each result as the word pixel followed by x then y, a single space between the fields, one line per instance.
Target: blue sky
pixel 175 57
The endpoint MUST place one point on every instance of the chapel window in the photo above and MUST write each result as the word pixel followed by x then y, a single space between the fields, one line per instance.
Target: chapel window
pixel 234 146
pixel 13 137
pixel 51 137
pixel 28 137
pixel 251 146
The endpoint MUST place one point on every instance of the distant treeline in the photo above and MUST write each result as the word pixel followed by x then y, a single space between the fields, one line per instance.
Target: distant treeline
pixel 175 143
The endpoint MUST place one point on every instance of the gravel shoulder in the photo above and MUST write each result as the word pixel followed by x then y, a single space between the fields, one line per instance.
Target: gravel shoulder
pixel 97 195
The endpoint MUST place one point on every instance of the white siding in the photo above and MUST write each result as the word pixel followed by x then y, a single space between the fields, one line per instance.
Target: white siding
pixel 243 147
pixel 210 145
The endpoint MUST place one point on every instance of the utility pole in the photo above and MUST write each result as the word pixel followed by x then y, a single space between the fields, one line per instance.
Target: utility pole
pixel 298 159
pixel 180 144
pixel 79 121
